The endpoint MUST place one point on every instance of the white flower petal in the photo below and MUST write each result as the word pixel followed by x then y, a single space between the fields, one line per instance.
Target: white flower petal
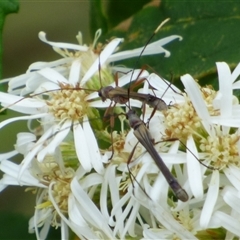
pixel 42 37
pixel 93 148
pixel 64 230
pixel 83 231
pixel 159 191
pixel 232 121
pixel 55 64
pixel 107 51
pixel 81 146
pixel 58 137
pixel 225 87
pixel 228 222
pixel 110 181
pixel 78 230
pixel 231 197
pixel 157 234
pixel 235 73
pixel 194 169
pixel 10 120
pixel 194 94
pixel 47 86
pixel 233 174
pixel 90 208
pixel 21 104
pixel 25 137
pixel 166 219
pixel 16 82
pixel 74 213
pixel 162 84
pixel 74 72
pixel 53 75
pixel 5 156
pixel 12 170
pixel 33 152
pixel 152 48
pixel 236 85
pixel 130 224
pixel 212 196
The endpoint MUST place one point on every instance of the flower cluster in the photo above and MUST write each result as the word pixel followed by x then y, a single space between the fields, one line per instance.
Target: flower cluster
pixel 89 189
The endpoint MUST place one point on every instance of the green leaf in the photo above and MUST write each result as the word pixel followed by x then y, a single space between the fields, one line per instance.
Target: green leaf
pixel 117 11
pixel 210 31
pixel 97 18
pixel 15 226
pixel 107 14
pixel 6 7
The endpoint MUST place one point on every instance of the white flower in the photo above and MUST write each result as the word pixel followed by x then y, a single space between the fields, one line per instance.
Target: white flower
pixel 67 107
pixel 88 56
pixel 221 146
pixel 63 198
pixel 207 121
pixel 144 197
pixel 57 115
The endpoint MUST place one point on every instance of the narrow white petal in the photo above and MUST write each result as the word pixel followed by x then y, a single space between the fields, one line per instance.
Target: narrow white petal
pixel 12 170
pixel 33 152
pixel 53 75
pixel 58 136
pixel 194 169
pixel 78 230
pixel 74 72
pixel 235 73
pixel 42 37
pixel 124 216
pixel 167 220
pixel 91 209
pixel 159 191
pixel 81 146
pixel 18 81
pixel 225 87
pixel 211 199
pixel 130 224
pixel 33 82
pixel 232 121
pixel 25 137
pixel 47 86
pixel 64 230
pixel 10 120
pixel 5 156
pixel 41 65
pixel 111 180
pixel 107 51
pixel 94 151
pixel 21 104
pixel 194 94
pixel 152 48
pixel 74 213
pixel 8 180
pixel 231 197
pixel 228 222
pixel 162 84
pixel 117 219
pixel 157 234
pixel 233 174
